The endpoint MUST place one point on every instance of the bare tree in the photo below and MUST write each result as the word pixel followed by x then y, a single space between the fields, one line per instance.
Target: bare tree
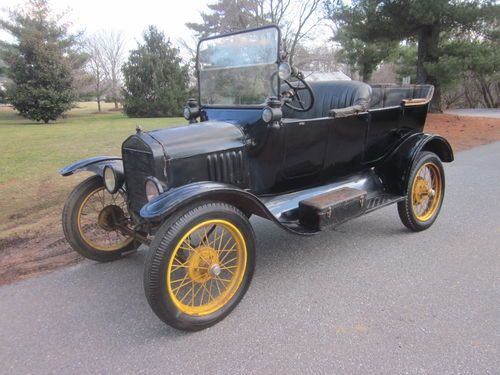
pixel 112 50
pixel 95 66
pixel 296 18
pixel 297 22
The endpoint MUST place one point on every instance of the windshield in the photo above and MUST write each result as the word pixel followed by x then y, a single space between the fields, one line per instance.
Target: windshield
pixel 239 69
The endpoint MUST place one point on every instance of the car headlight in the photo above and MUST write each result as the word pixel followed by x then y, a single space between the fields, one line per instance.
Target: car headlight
pixel 191 110
pixel 284 70
pixel 113 180
pixel 267 115
pixel 270 114
pixel 153 188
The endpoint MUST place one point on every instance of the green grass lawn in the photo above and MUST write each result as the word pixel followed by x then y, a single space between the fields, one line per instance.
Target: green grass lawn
pixel 31 153
pixel 35 150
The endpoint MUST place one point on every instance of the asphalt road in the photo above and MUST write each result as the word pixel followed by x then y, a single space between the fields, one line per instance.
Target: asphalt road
pixel 476 112
pixel 368 298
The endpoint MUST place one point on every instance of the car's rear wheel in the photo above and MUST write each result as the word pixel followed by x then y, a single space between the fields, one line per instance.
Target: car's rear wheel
pixel 424 193
pixel 199 266
pixel 93 221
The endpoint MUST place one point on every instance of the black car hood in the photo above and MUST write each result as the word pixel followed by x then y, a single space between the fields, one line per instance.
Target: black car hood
pixel 196 139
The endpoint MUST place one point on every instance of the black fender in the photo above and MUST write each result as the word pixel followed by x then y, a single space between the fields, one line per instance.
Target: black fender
pixel 395 169
pixel 174 199
pixel 95 164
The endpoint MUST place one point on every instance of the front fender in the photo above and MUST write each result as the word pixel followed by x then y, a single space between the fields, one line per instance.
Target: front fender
pixel 95 164
pixel 174 199
pixel 395 169
pixel 171 200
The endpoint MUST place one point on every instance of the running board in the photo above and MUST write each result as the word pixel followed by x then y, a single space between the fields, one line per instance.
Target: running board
pixel 329 210
pixel 364 188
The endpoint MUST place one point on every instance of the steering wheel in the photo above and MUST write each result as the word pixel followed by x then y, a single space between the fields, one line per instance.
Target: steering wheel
pixel 293 96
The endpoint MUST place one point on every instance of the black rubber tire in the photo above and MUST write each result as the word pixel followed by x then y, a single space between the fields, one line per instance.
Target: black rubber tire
pixel 70 224
pixel 161 250
pixel 405 208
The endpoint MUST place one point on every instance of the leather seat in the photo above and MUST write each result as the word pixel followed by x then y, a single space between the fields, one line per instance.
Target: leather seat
pixel 389 95
pixel 332 95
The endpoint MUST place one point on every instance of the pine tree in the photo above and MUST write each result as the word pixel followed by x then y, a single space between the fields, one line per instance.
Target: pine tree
pixel 354 25
pixel 40 62
pixel 428 22
pixel 155 78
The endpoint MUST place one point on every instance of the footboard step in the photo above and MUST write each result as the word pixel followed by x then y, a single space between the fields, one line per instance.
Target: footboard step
pixel 333 208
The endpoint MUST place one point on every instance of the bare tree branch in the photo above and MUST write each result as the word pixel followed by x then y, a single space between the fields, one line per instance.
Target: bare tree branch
pixel 112 47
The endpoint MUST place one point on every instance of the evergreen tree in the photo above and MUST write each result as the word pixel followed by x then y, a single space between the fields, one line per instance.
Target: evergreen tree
pixel 427 22
pixel 354 31
pixel 40 62
pixel 155 78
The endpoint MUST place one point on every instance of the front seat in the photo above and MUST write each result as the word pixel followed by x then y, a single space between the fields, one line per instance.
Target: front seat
pixel 330 95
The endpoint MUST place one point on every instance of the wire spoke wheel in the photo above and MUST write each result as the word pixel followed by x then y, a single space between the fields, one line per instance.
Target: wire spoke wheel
pixel 99 217
pixel 426 191
pixel 207 267
pixel 96 223
pixel 199 265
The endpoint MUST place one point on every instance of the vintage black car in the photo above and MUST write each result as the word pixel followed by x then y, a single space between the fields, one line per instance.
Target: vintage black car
pixel 262 140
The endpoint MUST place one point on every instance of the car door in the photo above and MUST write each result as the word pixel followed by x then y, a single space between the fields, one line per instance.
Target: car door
pixel 346 145
pixel 305 146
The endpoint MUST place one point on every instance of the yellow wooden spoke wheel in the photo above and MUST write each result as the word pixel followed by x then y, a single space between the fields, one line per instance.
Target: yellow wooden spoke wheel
pixel 425 193
pixel 94 221
pixel 200 266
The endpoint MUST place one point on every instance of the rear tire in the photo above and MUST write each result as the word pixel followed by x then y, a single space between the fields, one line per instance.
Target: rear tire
pixel 188 263
pixel 424 193
pixel 74 229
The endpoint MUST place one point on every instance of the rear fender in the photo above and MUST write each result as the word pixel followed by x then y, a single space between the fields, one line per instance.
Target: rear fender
pixel 396 168
pixel 95 164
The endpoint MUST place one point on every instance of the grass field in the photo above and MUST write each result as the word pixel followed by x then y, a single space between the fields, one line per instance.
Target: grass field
pixel 32 153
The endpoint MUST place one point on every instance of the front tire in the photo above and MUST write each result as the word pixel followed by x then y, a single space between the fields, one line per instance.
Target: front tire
pixel 200 265
pixel 88 217
pixel 424 193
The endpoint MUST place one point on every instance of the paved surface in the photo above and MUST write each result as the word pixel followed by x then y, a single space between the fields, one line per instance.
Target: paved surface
pixel 476 112
pixel 369 298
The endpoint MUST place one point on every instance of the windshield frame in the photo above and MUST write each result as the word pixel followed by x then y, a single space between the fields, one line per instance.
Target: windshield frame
pixel 234 106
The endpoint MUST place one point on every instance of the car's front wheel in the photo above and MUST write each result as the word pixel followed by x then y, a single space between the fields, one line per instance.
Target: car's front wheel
pixel 93 220
pixel 200 265
pixel 424 193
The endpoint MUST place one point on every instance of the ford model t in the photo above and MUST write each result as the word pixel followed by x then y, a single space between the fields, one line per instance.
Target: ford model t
pixel 262 140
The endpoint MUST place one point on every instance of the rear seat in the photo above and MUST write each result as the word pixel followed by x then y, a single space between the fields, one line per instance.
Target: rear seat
pixel 388 95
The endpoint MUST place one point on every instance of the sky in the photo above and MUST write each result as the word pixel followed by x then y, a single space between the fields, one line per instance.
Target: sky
pixel 129 17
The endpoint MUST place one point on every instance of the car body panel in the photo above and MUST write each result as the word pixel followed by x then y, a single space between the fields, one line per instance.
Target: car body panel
pixel 94 164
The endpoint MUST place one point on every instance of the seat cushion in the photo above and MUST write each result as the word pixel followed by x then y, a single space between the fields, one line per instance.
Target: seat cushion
pixel 332 95
pixel 390 95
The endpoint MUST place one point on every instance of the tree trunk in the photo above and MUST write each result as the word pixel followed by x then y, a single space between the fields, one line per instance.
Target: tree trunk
pixel 485 90
pixel 366 73
pixel 467 93
pixel 428 41
pixel 98 89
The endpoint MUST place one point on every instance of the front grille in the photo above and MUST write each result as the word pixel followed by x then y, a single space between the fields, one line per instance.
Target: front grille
pixel 137 165
pixel 227 167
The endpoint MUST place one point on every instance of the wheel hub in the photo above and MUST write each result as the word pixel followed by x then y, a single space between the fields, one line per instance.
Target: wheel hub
pixel 203 264
pixel 110 217
pixel 421 191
